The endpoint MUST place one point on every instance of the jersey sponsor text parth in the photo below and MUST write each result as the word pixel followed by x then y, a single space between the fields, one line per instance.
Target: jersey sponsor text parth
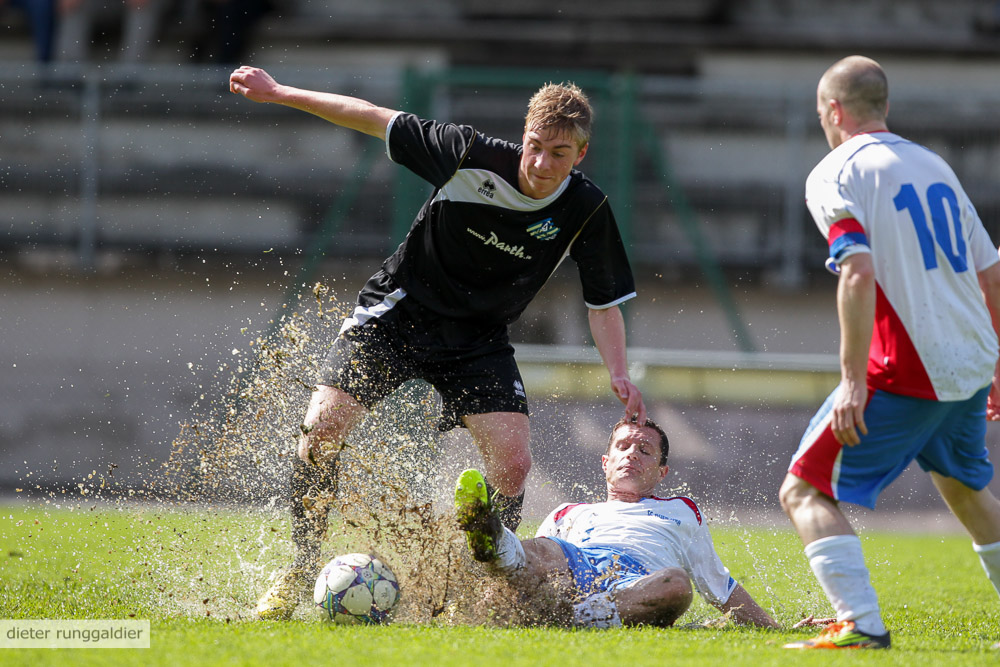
pixel 479 248
pixel 494 240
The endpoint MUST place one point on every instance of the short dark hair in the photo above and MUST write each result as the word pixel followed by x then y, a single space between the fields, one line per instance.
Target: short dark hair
pixel 664 443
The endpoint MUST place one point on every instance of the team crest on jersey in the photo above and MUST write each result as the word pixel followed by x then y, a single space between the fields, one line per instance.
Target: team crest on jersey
pixel 488 188
pixel 544 230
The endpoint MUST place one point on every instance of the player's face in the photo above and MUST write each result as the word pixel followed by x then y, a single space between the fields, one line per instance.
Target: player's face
pixel 547 159
pixel 632 464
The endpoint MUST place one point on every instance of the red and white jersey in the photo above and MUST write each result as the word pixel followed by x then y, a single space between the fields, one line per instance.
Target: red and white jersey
pixel 882 194
pixel 658 532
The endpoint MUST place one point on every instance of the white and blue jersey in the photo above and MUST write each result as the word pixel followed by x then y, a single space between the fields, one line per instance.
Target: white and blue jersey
pixel 624 541
pixel 882 194
pixel 934 349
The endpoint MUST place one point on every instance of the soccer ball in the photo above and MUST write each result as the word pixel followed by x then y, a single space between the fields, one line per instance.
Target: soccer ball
pixel 356 588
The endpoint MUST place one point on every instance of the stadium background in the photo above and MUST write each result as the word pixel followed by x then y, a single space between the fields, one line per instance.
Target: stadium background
pixel 154 225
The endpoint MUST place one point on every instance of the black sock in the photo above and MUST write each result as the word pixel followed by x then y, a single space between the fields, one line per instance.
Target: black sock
pixel 313 488
pixel 508 507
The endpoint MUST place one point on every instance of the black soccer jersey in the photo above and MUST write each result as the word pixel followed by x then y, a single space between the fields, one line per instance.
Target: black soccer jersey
pixel 481 249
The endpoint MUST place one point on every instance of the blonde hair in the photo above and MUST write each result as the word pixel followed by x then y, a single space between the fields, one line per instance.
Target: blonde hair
pixel 562 107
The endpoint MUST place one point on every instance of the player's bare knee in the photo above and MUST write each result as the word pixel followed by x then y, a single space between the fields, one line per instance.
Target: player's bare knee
pixel 518 468
pixel 321 441
pixel 673 584
pixel 333 408
pixel 331 416
pixel 792 494
pixel 543 550
pixel 661 599
pixel 511 471
pixel 518 455
pixel 544 558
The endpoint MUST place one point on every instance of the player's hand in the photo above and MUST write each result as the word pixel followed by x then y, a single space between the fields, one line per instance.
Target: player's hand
pixel 254 84
pixel 848 419
pixel 993 401
pixel 811 621
pixel 631 397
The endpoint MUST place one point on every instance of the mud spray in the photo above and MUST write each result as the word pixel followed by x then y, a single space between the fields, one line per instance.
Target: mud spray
pixel 210 525
pixel 214 516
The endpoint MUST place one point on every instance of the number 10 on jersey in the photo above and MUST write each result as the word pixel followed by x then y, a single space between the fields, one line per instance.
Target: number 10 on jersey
pixel 941 200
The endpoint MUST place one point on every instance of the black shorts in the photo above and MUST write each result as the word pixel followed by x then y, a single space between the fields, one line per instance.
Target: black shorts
pixel 394 340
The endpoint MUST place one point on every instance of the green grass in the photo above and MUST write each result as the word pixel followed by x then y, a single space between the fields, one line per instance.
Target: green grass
pixel 195 575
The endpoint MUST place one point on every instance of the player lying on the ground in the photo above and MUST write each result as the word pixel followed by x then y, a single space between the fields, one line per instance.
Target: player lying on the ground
pixel 629 560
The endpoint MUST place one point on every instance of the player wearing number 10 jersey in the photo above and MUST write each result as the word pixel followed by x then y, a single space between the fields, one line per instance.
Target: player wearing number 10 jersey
pixel 918 345
pixel 881 194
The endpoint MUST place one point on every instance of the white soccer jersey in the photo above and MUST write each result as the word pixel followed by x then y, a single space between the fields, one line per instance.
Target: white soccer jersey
pixel 658 532
pixel 882 194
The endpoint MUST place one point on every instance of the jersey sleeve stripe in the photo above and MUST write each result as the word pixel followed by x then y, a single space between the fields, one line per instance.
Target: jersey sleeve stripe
pixel 612 304
pixel 845 241
pixel 388 130
pixel 565 510
pixel 845 226
pixel 845 234
pixel 694 508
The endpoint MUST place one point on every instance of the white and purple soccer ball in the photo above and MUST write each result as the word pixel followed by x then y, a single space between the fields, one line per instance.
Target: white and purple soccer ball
pixel 356 588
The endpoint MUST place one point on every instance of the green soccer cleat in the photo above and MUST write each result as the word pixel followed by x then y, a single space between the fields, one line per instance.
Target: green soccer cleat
pixel 282 598
pixel 843 635
pixel 476 516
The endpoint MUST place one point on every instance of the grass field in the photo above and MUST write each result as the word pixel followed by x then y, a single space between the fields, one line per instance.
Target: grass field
pixel 195 573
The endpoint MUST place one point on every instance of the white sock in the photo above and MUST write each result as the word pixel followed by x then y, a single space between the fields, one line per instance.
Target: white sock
pixel 989 556
pixel 510 553
pixel 597 611
pixel 839 565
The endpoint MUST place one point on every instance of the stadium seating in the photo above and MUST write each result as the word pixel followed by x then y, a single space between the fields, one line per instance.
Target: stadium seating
pixel 171 162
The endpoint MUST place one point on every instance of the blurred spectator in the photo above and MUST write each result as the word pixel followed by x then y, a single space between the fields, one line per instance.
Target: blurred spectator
pixel 80 21
pixel 41 18
pixel 225 28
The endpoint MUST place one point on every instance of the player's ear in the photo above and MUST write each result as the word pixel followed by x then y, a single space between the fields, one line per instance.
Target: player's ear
pixel 664 469
pixel 604 463
pixel 583 151
pixel 836 113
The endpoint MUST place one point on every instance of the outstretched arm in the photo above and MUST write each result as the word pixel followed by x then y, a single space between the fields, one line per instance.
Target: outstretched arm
pixel 607 326
pixel 745 611
pixel 356 114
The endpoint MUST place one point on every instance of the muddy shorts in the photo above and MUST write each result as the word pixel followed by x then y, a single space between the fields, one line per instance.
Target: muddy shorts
pixel 391 339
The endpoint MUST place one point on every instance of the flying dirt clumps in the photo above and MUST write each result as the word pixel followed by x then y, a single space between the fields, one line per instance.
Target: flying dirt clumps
pixel 240 451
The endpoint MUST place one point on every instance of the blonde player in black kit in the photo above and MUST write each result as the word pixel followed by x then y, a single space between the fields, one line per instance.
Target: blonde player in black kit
pixel 500 220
